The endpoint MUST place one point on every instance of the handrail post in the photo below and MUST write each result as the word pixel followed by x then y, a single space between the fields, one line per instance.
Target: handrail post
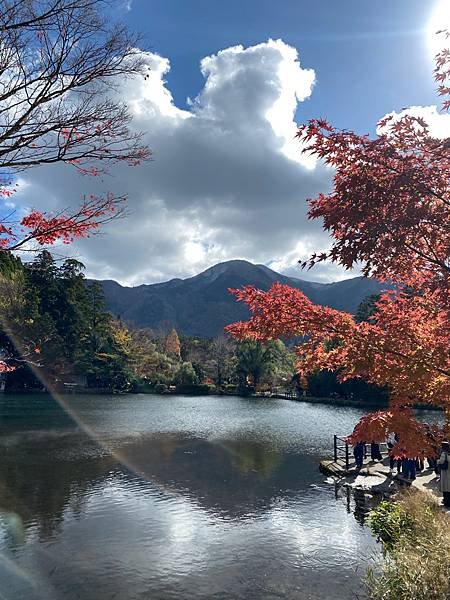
pixel 335 448
pixel 347 462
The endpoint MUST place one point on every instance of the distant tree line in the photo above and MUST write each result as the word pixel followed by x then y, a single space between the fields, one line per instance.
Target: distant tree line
pixel 56 334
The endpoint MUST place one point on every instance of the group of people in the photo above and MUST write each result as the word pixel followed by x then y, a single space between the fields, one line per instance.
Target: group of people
pixel 360 453
pixel 408 467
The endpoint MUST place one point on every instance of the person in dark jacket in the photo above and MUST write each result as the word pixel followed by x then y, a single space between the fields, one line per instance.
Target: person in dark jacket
pixel 433 455
pixel 420 465
pixel 408 465
pixel 375 453
pixel 410 471
pixel 358 453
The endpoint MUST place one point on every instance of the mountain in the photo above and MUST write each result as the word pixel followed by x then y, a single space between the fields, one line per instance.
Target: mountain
pixel 202 306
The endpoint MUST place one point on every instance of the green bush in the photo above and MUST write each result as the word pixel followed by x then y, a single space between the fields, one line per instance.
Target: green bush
pixel 243 389
pixel 390 523
pixel 193 388
pixel 141 387
pixel 160 388
pixel 415 534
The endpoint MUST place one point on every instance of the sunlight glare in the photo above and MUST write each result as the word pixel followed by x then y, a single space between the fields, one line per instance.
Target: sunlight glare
pixel 440 19
pixel 194 252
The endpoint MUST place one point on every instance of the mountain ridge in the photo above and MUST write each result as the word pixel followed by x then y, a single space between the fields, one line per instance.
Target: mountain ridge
pixel 201 305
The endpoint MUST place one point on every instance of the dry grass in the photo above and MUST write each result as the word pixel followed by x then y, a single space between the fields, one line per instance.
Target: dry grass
pixel 415 534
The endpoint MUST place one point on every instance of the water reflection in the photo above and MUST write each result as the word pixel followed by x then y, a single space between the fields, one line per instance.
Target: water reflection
pixel 38 481
pixel 357 502
pixel 167 505
pixel 41 480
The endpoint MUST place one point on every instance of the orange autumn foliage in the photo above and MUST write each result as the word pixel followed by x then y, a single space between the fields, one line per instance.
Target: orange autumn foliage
pixel 389 213
pixel 172 345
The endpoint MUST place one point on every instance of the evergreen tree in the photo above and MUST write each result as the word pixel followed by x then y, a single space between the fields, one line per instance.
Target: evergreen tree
pixel 55 323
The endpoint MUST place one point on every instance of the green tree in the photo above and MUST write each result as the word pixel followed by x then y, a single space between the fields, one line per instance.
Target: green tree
pixel 282 364
pixel 254 360
pixel 104 358
pixel 42 275
pixel 142 356
pixel 9 264
pixel 186 375
pixel 24 332
pixel 25 328
pixel 55 322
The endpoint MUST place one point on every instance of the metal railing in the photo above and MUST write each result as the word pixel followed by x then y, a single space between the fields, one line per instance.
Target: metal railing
pixel 341 450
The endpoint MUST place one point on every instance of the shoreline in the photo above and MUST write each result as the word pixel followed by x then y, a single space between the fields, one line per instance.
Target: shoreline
pixel 366 404
pixel 101 392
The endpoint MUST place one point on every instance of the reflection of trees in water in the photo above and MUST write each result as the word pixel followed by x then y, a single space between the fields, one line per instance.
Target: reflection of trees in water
pixel 231 478
pixel 197 460
pixel 38 487
pixel 41 480
pixel 253 457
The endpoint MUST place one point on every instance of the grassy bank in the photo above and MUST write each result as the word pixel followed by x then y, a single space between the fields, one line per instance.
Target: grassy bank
pixel 415 534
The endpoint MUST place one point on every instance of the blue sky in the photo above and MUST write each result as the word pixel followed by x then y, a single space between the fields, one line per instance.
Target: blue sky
pixel 228 180
pixel 370 57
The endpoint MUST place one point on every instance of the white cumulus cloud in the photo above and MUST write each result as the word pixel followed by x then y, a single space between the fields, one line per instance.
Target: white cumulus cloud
pixel 438 122
pixel 227 178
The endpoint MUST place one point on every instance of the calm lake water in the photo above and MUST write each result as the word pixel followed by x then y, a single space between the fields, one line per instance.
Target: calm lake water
pixel 154 497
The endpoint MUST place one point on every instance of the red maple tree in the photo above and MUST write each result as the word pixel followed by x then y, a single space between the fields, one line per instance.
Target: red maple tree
pixel 388 213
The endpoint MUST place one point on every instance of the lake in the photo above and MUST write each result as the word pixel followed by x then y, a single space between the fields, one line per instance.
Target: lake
pixel 174 498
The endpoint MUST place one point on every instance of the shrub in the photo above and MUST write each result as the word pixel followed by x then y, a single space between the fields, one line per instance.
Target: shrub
pixel 415 535
pixel 160 388
pixel 230 388
pixel 390 522
pixel 193 388
pixel 243 389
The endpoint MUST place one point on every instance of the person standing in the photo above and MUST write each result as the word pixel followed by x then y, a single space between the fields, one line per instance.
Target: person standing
pixel 391 440
pixel 358 453
pixel 420 465
pixel 411 469
pixel 443 464
pixel 375 453
pixel 433 453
